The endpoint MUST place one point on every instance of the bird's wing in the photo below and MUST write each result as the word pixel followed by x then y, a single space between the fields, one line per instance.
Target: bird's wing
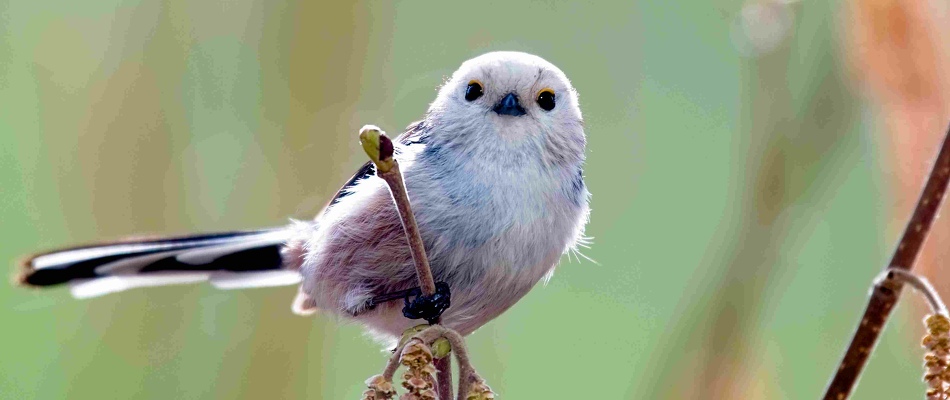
pixel 415 134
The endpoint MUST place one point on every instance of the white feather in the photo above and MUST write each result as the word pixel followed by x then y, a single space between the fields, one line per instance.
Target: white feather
pixel 111 284
pixel 228 280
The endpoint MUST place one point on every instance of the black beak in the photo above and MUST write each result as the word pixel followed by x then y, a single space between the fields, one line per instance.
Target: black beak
pixel 509 106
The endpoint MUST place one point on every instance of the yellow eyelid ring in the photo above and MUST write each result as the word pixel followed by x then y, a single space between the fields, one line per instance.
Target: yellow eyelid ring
pixel 474 90
pixel 477 82
pixel 546 99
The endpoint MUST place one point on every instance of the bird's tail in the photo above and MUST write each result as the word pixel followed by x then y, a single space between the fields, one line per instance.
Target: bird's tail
pixel 228 260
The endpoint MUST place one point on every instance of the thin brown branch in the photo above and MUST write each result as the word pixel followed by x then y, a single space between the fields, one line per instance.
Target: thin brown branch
pixel 885 294
pixel 394 179
pixel 392 365
pixel 467 374
pixel 443 376
pixel 468 377
pixel 380 149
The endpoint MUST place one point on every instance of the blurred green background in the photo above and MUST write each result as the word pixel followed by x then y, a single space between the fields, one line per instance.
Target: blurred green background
pixel 740 200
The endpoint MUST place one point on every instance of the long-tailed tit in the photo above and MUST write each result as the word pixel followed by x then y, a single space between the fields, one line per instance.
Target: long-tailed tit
pixel 494 172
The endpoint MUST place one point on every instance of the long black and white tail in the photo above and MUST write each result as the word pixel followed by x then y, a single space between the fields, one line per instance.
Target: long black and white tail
pixel 231 260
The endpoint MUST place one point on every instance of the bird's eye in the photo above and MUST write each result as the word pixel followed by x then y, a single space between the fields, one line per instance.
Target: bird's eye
pixel 546 99
pixel 473 91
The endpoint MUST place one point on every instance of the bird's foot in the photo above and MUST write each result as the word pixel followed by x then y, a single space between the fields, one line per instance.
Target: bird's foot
pixel 430 307
pixel 417 305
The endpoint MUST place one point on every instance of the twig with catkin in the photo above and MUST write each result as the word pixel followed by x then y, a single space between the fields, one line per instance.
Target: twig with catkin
pixel 424 350
pixel 937 340
pixel 418 353
pixel 886 291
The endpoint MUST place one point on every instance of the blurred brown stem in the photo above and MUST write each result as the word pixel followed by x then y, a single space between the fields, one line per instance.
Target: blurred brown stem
pixel 887 291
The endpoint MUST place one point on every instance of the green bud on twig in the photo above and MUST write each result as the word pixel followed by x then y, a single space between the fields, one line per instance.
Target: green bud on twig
pixel 378 147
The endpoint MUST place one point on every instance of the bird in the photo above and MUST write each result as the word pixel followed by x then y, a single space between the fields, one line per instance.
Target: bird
pixel 495 174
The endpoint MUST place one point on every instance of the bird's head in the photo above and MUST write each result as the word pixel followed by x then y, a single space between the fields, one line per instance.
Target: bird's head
pixel 512 97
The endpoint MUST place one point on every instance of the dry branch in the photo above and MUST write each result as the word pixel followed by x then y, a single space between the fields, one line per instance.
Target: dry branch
pixel 380 149
pixel 886 292
pixel 937 340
